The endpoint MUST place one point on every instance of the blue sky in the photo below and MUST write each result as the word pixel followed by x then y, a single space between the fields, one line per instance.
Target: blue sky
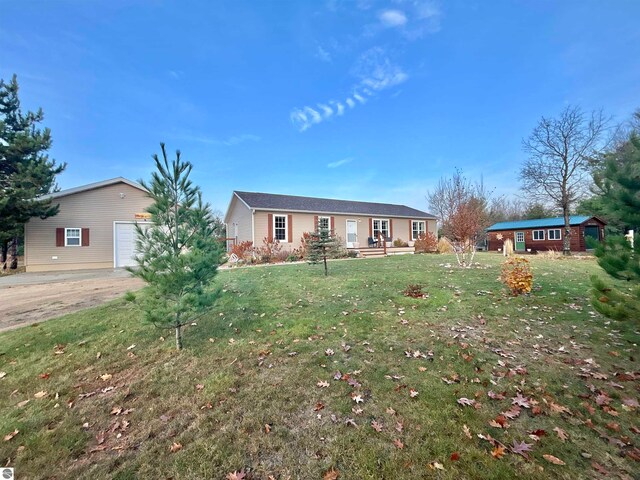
pixel 353 99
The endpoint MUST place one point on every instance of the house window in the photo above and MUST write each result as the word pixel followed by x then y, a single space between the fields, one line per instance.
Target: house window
pixel 380 227
pixel 538 234
pixel 71 237
pixel 555 234
pixel 280 227
pixel 324 223
pixel 418 229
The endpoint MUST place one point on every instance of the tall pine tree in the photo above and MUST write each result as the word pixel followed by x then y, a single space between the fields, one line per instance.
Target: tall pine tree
pixel 618 258
pixel 180 249
pixel 26 172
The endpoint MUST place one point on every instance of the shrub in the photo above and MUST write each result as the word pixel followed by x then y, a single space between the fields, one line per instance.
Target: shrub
pixel 517 276
pixel 414 291
pixel 398 242
pixel 242 249
pixel 426 243
pixel 444 245
pixel 269 250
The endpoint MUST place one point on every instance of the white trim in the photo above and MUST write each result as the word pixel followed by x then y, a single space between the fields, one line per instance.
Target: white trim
pixel 515 239
pixel 66 237
pixel 417 221
pixel 533 237
pixel 286 228
pixel 559 230
pixel 92 186
pixel 253 227
pixel 346 226
pixel 234 195
pixel 373 229
pixel 328 221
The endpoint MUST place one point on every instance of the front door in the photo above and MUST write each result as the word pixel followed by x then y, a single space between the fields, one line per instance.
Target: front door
pixel 352 233
pixel 519 241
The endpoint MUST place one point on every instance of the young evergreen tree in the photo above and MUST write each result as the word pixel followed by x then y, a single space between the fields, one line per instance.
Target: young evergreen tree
pixel 618 256
pixel 322 244
pixel 180 251
pixel 26 172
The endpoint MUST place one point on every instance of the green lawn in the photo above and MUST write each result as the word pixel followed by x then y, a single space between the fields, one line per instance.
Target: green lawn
pixel 244 393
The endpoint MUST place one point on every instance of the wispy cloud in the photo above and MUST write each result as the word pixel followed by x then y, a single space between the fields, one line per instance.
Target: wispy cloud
pixel 375 73
pixel 392 18
pixel 323 54
pixel 339 162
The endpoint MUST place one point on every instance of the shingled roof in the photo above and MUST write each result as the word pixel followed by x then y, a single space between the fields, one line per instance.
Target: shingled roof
pixel 292 203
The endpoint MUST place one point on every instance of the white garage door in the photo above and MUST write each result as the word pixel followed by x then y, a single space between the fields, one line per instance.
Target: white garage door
pixel 125 247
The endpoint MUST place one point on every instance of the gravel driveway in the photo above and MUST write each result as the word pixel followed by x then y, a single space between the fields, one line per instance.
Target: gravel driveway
pixel 34 297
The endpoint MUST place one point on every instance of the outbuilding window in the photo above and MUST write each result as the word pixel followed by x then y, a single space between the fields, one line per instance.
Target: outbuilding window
pixel 72 237
pixel 555 234
pixel 538 234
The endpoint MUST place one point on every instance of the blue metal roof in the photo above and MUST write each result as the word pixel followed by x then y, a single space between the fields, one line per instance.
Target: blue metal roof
pixel 538 223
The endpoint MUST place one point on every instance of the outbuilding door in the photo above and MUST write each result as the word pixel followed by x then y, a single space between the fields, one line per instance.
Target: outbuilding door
pixel 124 244
pixel 519 244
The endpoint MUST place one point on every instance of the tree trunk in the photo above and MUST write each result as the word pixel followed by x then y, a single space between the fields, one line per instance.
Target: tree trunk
pixel 3 254
pixel 326 271
pixel 13 252
pixel 179 337
pixel 566 239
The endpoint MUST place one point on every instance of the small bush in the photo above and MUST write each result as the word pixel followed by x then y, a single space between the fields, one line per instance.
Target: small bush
pixel 517 276
pixel 242 249
pixel 269 250
pixel 445 246
pixel 414 291
pixel 398 242
pixel 427 243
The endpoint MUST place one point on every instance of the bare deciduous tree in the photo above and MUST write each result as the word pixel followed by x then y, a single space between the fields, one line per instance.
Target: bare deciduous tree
pixel 557 171
pixel 461 207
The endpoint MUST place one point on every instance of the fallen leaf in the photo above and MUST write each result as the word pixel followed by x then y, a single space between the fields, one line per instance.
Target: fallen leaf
pixel 466 401
pixel 390 411
pixel 45 376
pixel 319 406
pixel 329 352
pixel 455 456
pixel 561 434
pixel 398 443
pixel 106 376
pixel 3 374
pixel 131 347
pixel 521 401
pixel 323 384
pixel 497 452
pixel 466 431
pixel 413 393
pixel 40 394
pixel 436 466
pixel 199 386
pixel 552 459
pixel 376 426
pixel 521 447
pixel 175 447
pixel 332 474
pixel 22 403
pixel 267 428
pixel 236 475
pixel 9 436
pixel 358 399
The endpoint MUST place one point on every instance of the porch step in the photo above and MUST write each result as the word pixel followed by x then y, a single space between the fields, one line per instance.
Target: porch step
pixel 379 251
